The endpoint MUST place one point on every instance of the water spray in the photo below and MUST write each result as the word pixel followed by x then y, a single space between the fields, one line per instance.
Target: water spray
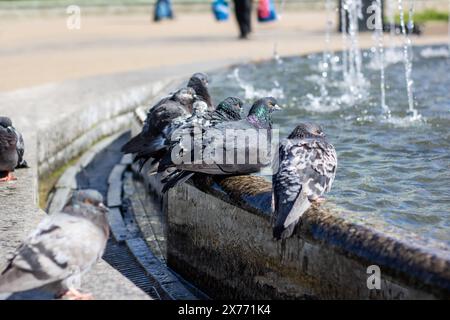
pixel 407 56
pixel 381 56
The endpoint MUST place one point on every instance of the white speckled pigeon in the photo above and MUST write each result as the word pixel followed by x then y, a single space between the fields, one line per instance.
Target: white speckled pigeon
pixel 212 139
pixel 307 167
pixel 12 149
pixel 64 246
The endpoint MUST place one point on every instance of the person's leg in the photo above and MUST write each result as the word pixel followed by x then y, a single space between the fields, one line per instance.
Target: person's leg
pixel 239 8
pixel 248 15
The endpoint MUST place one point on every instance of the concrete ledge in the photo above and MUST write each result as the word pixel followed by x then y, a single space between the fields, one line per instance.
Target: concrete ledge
pixel 67 182
pixel 76 132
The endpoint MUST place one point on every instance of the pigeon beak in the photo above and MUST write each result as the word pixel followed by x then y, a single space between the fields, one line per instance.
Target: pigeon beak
pixel 277 107
pixel 102 206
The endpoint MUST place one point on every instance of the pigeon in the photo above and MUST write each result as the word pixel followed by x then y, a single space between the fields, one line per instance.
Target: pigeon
pixel 12 149
pixel 161 121
pixel 199 82
pixel 228 110
pixel 307 168
pixel 64 246
pixel 210 145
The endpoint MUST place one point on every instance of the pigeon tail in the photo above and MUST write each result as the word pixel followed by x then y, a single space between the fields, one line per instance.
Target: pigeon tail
pixel 23 164
pixel 165 163
pixel 134 145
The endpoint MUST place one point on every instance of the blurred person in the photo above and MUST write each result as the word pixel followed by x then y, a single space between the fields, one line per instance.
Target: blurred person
pixel 163 10
pixel 266 11
pixel 243 9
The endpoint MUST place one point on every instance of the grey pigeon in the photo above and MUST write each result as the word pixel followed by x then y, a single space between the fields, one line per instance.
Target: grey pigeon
pixel 161 119
pixel 8 160
pixel 307 167
pixel 64 246
pixel 9 155
pixel 199 82
pixel 215 155
pixel 228 110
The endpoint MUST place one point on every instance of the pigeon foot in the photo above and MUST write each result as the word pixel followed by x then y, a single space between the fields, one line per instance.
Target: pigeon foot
pixel 9 177
pixel 73 294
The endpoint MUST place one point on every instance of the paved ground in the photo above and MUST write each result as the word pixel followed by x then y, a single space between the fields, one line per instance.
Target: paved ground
pixel 36 50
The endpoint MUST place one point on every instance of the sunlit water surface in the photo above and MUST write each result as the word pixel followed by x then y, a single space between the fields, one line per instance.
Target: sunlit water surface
pixel 392 173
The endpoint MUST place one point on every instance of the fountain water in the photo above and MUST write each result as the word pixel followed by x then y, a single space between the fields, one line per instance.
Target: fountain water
pixel 407 56
pixel 344 39
pixel 251 93
pixel 327 55
pixel 276 55
pixel 378 31
pixel 354 84
pixel 353 77
pixel 392 54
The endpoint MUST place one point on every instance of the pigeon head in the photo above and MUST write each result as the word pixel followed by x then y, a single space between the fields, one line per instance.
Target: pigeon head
pixel 307 130
pixel 231 106
pixel 261 111
pixel 185 96
pixel 196 77
pixel 199 82
pixel 5 122
pixel 87 197
pixel 88 204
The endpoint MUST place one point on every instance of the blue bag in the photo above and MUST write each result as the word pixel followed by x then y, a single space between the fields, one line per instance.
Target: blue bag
pixel 163 10
pixel 221 10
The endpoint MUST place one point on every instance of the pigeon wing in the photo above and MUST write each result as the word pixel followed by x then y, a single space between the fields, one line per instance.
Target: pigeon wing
pixel 8 139
pixel 160 123
pixel 20 147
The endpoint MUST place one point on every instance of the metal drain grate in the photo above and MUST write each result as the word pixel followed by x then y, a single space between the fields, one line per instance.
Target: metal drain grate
pixel 120 258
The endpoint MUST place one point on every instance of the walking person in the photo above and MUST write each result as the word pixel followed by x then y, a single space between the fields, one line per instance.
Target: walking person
pixel 163 10
pixel 243 9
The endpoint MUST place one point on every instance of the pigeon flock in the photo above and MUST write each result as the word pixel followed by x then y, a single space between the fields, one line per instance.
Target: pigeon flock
pixel 183 135
pixel 185 123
